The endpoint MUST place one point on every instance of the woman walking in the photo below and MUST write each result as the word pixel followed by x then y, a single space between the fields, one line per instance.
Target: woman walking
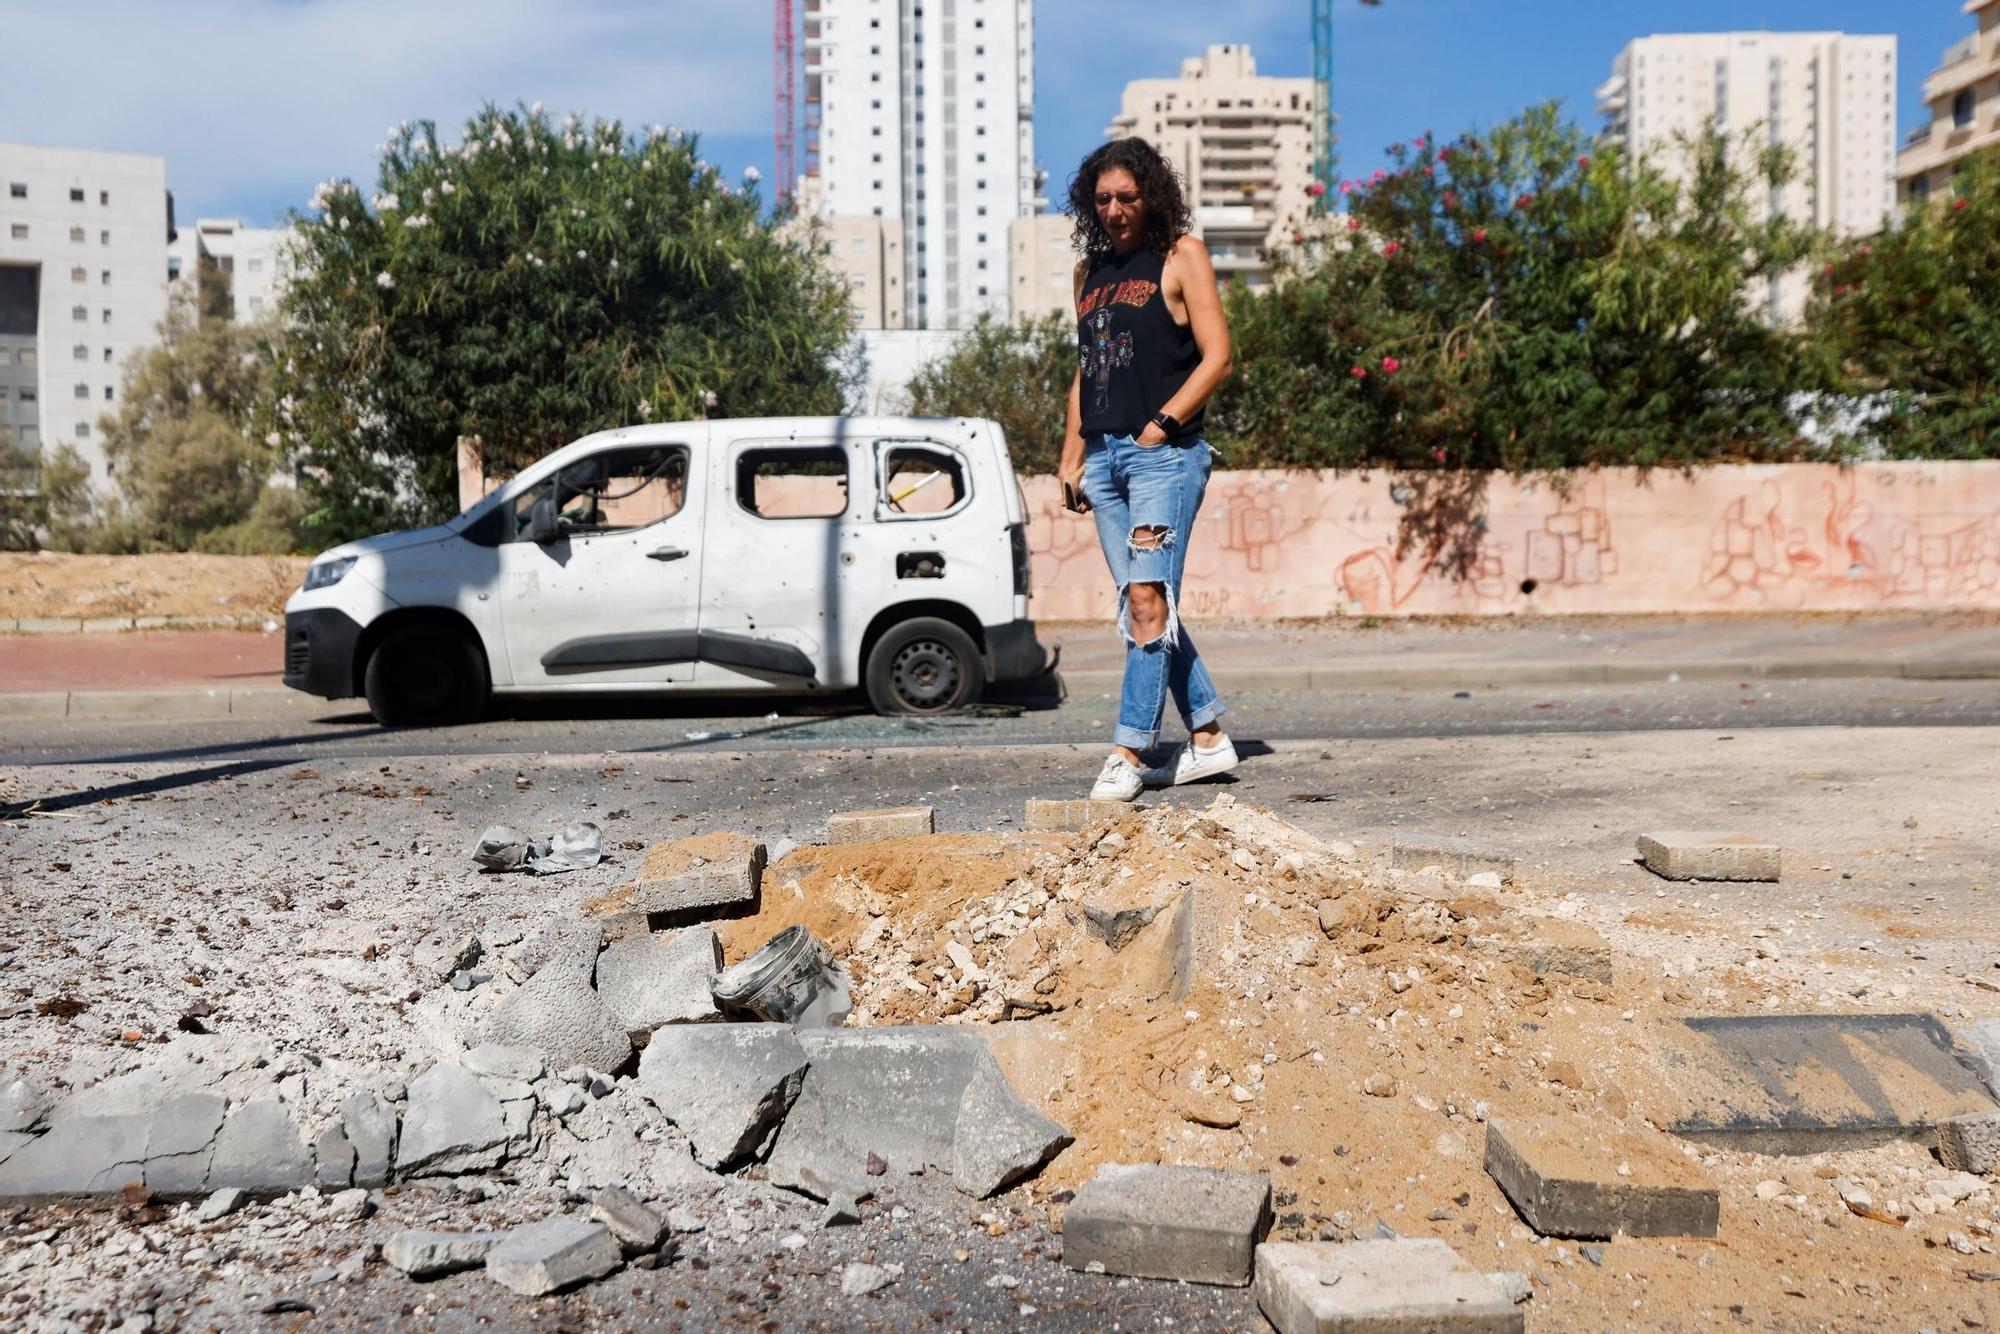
pixel 1152 346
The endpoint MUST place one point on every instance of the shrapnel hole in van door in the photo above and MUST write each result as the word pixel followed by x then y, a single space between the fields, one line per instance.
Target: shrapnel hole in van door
pixel 920 480
pixel 808 482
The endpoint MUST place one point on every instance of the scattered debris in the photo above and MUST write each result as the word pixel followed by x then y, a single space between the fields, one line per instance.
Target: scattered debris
pixel 1411 1283
pixel 1709 856
pixel 1571 1179
pixel 792 980
pixel 1453 855
pixel 575 847
pixel 551 1255
pixel 1970 1143
pixel 874 826
pixel 432 1254
pixel 724 1085
pixel 1195 1224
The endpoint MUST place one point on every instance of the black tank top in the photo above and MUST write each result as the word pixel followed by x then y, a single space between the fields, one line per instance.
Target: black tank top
pixel 1133 356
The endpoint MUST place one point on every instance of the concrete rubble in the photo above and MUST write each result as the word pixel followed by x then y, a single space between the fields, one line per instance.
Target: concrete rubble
pixel 1196 1224
pixel 649 981
pixel 873 826
pixel 1710 856
pixel 552 1255
pixel 725 1085
pixel 1413 1283
pixel 1570 1179
pixel 1454 855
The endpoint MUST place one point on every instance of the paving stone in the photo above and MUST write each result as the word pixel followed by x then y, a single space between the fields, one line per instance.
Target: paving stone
pixel 333 1158
pixel 1545 945
pixel 369 1122
pixel 1411 1285
pixel 260 1148
pixel 1196 1224
pixel 558 1015
pixel 181 1143
pixel 637 1227
pixel 1709 856
pixel 221 1204
pixel 724 1085
pixel 894 1092
pixel 720 881
pixel 873 826
pixel 1813 1083
pixel 1971 1143
pixel 518 1063
pixel 430 1254
pixel 80 1155
pixel 1070 816
pixel 551 1255
pixel 569 946
pixel 1570 1177
pixel 652 980
pixel 23 1106
pixel 999 1138
pixel 453 1124
pixel 1461 857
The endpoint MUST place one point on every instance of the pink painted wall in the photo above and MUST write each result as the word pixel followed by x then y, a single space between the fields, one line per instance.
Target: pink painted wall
pixel 1780 537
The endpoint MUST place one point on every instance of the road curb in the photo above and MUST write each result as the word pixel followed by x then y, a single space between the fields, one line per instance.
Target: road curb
pixel 196 702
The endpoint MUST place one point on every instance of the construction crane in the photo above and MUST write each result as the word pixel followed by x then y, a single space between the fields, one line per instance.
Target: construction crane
pixel 1326 126
pixel 785 73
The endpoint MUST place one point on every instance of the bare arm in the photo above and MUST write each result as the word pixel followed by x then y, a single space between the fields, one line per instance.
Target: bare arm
pixel 1070 466
pixel 1194 275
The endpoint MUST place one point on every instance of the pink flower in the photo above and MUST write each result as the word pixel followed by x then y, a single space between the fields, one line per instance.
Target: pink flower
pixel 1437 456
pixel 1359 372
pixel 1390 365
pixel 1422 144
pixel 1479 236
pixel 1444 155
pixel 1524 201
pixel 1957 205
pixel 1428 171
pixel 1380 177
pixel 1353 224
pixel 1390 249
pixel 1583 163
pixel 1315 189
pixel 1347 187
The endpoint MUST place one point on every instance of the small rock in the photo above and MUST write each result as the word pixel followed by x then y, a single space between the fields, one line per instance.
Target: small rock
pixel 858 1280
pixel 551 1255
pixel 1770 1190
pixel 1955 1187
pixel 221 1204
pixel 1490 880
pixel 350 1206
pixel 429 1254
pixel 1379 1085
pixel 1594 1254
pixel 501 1062
pixel 1512 1283
pixel 637 1227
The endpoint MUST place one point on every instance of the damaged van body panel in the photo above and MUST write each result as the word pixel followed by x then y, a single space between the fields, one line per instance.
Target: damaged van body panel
pixel 774 555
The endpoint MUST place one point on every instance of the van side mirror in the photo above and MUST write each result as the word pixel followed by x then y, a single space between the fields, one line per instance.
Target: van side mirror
pixel 543 526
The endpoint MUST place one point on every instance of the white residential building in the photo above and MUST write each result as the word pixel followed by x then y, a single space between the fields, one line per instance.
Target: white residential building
pixel 83 268
pixel 1042 268
pixel 922 114
pixel 1828 96
pixel 1243 145
pixel 1963 94
pixel 251 261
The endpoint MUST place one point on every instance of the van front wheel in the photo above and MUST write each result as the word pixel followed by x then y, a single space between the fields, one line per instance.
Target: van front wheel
pixel 924 666
pixel 425 676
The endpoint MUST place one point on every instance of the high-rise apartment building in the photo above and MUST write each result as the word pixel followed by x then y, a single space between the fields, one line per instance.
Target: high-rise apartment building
pixel 83 270
pixel 250 263
pixel 1243 145
pixel 1964 98
pixel 1042 267
pixel 919 113
pixel 1829 97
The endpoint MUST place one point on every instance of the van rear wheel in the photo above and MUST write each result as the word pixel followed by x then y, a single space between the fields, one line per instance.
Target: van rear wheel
pixel 925 665
pixel 425 676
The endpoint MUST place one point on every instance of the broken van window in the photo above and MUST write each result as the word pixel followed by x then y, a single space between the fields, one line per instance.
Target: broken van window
pixel 612 491
pixel 804 482
pixel 921 479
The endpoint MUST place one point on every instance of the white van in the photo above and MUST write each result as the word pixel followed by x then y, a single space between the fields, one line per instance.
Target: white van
pixel 793 554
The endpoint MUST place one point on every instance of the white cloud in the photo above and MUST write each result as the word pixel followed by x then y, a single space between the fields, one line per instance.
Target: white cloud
pixel 259 99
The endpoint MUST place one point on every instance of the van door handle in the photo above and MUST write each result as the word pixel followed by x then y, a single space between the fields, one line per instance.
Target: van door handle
pixel 666 553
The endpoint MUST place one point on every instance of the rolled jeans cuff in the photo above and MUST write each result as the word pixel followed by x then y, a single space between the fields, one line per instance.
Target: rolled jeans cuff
pixel 1206 714
pixel 1133 739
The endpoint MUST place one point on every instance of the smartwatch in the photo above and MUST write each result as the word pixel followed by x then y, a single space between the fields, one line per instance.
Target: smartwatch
pixel 1166 423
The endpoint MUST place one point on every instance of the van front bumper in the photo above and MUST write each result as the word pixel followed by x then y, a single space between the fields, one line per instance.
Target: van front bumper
pixel 1014 652
pixel 319 652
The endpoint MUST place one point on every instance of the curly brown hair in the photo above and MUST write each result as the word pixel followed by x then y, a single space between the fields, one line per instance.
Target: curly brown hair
pixel 1167 216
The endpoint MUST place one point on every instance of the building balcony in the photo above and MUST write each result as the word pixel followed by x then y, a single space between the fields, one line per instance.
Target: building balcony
pixel 1980 59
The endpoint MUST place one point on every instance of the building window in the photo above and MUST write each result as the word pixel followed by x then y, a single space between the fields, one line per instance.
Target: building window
pixel 80 352
pixel 104 198
pixel 255 266
pixel 107 355
pixel 76 235
pixel 104 238
pixel 17 189
pixel 173 267
pixel 256 304
pixel 79 274
pixel 105 279
pixel 83 430
pixel 1964 107
pixel 107 315
pixel 76 194
pixel 875 77
pixel 83 391
pixel 107 393
pixel 79 313
pixel 19 231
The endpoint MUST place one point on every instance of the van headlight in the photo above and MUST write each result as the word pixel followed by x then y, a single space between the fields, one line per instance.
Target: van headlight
pixel 327 573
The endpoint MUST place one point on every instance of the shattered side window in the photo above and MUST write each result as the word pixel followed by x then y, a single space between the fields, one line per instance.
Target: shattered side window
pixel 617 490
pixel 802 482
pixel 920 480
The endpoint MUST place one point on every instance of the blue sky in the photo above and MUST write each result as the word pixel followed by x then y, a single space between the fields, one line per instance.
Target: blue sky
pixel 254 101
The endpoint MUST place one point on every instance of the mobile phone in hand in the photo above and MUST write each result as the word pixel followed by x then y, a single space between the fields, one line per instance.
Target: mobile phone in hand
pixel 1073 499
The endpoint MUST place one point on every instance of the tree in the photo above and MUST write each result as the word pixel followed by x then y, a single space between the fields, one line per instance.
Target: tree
pixel 1526 301
pixel 43 498
pixel 1017 374
pixel 182 443
pixel 531 284
pixel 1909 322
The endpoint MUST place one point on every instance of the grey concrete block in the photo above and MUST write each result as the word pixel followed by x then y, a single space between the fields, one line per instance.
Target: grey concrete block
pixel 333 1158
pixel 1709 856
pixel 259 1148
pixel 1195 1224
pixel 430 1254
pixel 1981 1043
pixel 518 1063
pixel 453 1124
pixel 558 1015
pixel 1070 816
pixel 999 1138
pixel 1971 1143
pixel 566 946
pixel 1570 1178
pixel 181 1143
pixel 718 882
pixel 1545 945
pixel 724 1085
pixel 23 1106
pixel 80 1155
pixel 637 1228
pixel 551 1255
pixel 894 1092
pixel 652 980
pixel 1411 1285
pixel 873 826
pixel 1814 1083
pixel 1458 856
pixel 369 1122
pixel 12 1142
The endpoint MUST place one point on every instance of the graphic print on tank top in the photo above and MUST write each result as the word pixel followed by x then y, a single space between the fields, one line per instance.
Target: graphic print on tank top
pixel 1132 355
pixel 1103 353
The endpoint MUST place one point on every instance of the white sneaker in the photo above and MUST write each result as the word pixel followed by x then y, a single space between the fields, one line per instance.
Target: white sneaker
pixel 1118 780
pixel 1196 763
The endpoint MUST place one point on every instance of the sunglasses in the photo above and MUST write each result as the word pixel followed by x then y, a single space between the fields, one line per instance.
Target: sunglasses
pixel 1129 198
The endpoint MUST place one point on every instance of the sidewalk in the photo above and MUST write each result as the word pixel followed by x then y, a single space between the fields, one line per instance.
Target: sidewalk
pixel 220 673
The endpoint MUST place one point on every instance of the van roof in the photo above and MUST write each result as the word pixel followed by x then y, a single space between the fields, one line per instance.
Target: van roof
pixel 777 427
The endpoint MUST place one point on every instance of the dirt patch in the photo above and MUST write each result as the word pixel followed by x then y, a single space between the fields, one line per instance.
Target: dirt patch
pixel 54 585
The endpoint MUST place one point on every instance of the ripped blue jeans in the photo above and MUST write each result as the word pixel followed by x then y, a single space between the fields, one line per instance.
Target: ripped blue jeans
pixel 1144 499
